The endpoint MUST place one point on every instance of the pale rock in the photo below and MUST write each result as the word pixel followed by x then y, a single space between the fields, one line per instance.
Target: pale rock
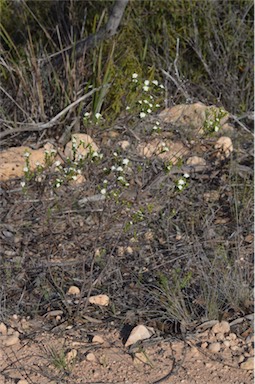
pixel 196 160
pixel 3 329
pixel 124 144
pixel 164 149
pixel 120 250
pixel 100 300
pixel 232 336
pixel 221 327
pixel 140 332
pixel 13 160
pixel 22 381
pixel 225 147
pixel 204 345
pixel 11 340
pixel 241 358
pixel 98 339
pixel 214 347
pixel 91 357
pixel 248 364
pixel 71 355
pixel 74 291
pixel 84 146
pixel 129 250
pixel 226 343
pixel 192 116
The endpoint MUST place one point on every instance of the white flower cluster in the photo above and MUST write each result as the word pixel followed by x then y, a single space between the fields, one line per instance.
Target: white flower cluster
pixel 182 182
pixel 119 168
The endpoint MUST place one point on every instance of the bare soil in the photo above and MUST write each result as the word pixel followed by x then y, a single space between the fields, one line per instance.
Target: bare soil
pixel 199 241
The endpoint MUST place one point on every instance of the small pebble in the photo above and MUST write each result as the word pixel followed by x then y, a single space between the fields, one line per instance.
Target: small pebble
pixel 240 359
pixel 248 364
pixel 226 343
pixel 214 347
pixel 91 357
pixel 3 329
pixel 221 327
pixel 98 339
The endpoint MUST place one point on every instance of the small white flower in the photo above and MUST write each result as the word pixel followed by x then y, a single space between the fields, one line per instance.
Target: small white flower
pixel 134 76
pixel 154 127
pixel 180 187
pixel 181 182
pixel 46 152
pixel 145 101
pixel 155 82
pixel 103 191
pixel 125 161
pixel 157 123
pixel 162 86
pixel 150 105
pixel 149 110
pixel 186 175
pixel 57 163
pixel 127 184
pixel 25 169
pixel 86 114
pixel 95 154
pixel 115 154
pixel 140 101
pixel 37 164
pixel 151 97
pixel 74 177
pixel 157 105
pixel 142 115
pixel 58 185
pixel 145 88
pixel 79 171
pixel 216 128
pixel 146 82
pixel 23 184
pixel 26 154
pixel 120 178
pixel 113 168
pixel 127 108
pixel 105 181
pixel 53 151
pixel 119 169
pixel 165 149
pixel 105 169
pixel 98 115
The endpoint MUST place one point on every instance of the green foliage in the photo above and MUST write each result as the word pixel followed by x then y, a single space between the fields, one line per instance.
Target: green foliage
pixel 213 59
